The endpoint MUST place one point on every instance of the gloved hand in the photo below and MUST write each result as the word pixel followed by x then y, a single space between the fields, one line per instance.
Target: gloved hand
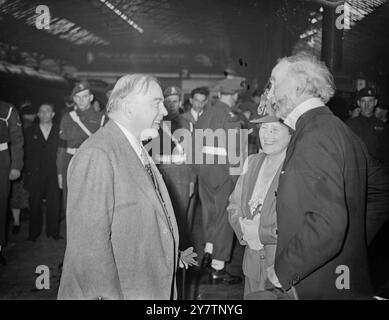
pixel 187 258
pixel 250 230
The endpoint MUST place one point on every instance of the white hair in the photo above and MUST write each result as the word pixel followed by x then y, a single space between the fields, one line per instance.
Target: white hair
pixel 320 82
pixel 130 83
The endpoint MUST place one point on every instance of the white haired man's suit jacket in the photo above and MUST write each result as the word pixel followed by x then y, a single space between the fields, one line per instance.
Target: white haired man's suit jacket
pixel 119 244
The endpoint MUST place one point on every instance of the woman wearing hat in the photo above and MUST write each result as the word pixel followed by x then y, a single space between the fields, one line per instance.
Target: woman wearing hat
pixel 252 207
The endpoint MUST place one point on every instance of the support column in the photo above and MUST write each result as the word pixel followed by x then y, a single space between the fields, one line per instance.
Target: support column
pixel 332 36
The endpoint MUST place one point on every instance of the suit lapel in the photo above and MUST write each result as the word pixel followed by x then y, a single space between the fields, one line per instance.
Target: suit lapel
pixel 300 125
pixel 138 172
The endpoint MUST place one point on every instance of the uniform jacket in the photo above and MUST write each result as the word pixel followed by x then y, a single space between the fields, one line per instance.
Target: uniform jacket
pixel 375 134
pixel 321 205
pixel 119 244
pixel 11 132
pixel 255 262
pixel 40 154
pixel 218 117
pixel 71 134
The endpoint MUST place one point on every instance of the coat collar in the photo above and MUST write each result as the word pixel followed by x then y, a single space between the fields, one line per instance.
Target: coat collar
pixel 301 123
pixel 138 173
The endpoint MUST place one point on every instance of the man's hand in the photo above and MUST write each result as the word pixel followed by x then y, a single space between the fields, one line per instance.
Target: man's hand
pixel 14 174
pixel 187 258
pixel 60 185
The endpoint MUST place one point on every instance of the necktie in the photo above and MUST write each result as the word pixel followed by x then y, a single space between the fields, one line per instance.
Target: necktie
pixel 150 172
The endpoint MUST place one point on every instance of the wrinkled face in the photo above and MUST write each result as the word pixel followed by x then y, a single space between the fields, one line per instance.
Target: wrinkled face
pixel 367 105
pixel 172 103
pixel 274 137
pixel 381 114
pixel 147 110
pixel 198 102
pixel 83 99
pixel 282 91
pixel 45 113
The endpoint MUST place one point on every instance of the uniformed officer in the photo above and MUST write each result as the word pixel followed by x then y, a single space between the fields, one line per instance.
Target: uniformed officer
pixel 373 132
pixel 11 162
pixel 170 158
pixel 216 182
pixel 75 127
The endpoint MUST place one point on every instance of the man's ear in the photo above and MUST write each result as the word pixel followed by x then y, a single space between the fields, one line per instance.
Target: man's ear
pixel 375 102
pixel 191 101
pixel 91 96
pixel 358 103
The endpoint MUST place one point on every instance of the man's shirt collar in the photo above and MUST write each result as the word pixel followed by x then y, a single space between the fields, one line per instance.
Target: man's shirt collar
pixel 134 142
pixel 302 108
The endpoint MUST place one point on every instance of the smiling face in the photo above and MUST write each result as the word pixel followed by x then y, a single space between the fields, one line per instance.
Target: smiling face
pixel 274 137
pixel 146 110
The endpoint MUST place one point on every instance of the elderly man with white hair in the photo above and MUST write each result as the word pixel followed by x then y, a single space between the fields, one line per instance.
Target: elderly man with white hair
pixel 122 237
pixel 321 199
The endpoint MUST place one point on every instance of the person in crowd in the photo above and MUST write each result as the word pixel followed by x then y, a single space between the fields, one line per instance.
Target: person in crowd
pixel 170 158
pixel 122 236
pixel 96 104
pixel 373 132
pixel 381 112
pixel 19 194
pixel 11 163
pixel 215 180
pixel 321 198
pixel 40 173
pixel 75 127
pixel 252 206
pixel 198 101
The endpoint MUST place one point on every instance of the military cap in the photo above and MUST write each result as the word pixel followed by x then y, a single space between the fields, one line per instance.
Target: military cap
pixel 172 90
pixel 231 86
pixel 366 92
pixel 80 86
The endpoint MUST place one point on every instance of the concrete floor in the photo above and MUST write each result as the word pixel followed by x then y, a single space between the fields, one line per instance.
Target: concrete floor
pixel 17 279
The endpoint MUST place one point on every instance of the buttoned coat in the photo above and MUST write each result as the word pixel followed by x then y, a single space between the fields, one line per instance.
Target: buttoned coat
pixel 321 211
pixel 119 243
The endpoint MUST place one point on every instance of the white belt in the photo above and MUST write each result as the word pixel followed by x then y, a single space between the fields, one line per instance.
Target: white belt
pixel 218 151
pixel 71 151
pixel 3 146
pixel 167 159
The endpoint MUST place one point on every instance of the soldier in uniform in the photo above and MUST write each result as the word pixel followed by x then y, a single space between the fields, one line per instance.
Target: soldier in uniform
pixel 170 158
pixel 11 162
pixel 373 132
pixel 215 180
pixel 75 127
